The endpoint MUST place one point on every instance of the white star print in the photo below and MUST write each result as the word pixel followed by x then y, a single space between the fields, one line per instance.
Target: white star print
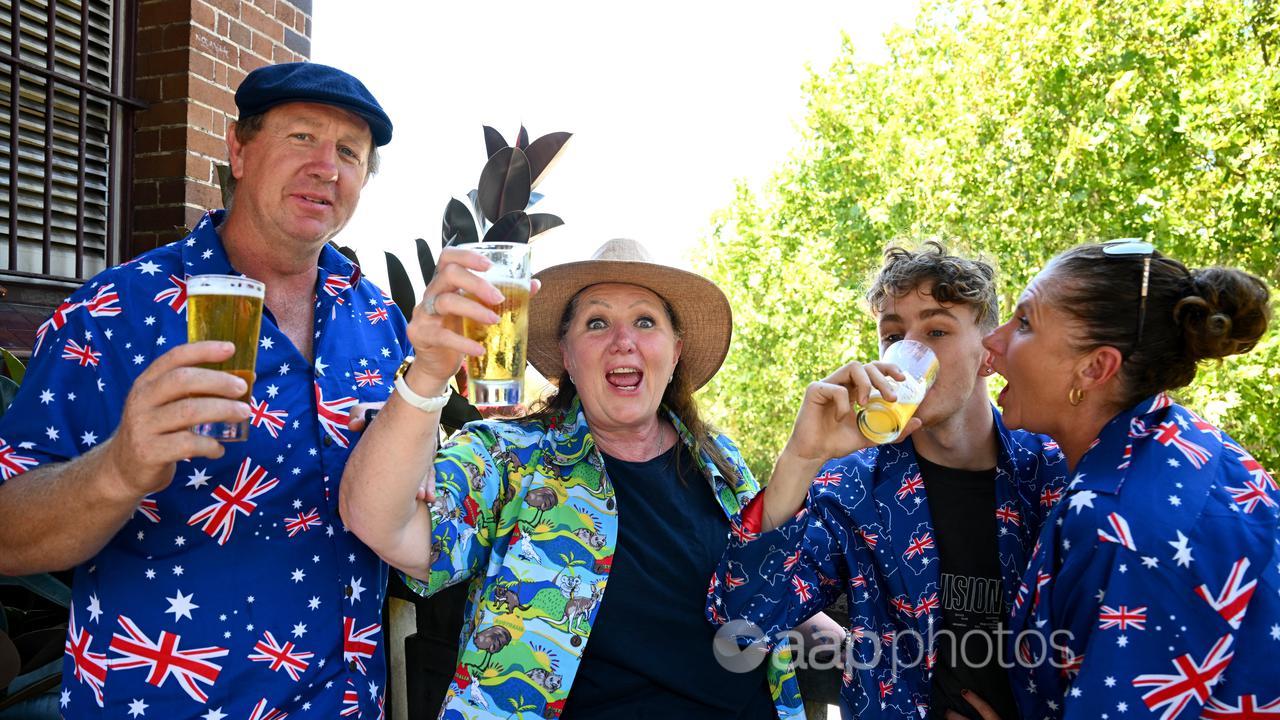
pixel 356 589
pixel 179 541
pixel 1183 554
pixel 296 471
pixel 1173 462
pixel 208 253
pixel 249 627
pixel 89 438
pixel 27 445
pixel 52 432
pixel 1275 632
pixel 298 575
pixel 1174 500
pixel 94 608
pixel 137 707
pixel 177 570
pixel 198 479
pixel 149 268
pixel 160 340
pixel 266 343
pixel 46 397
pixel 299 630
pixel 1149 562
pixel 373 690
pixel 181 606
pixel 65 698
pixel 1109 681
pixel 320 366
pixel 149 320
pixel 108 333
pixel 313 603
pixel 297 504
pixel 272 391
pixel 214 714
pixel 101 385
pixel 250 599
pixel 385 352
pixel 71 396
pixel 1082 499
pixel 1122 641
pixel 284 368
pixel 137 359
pixel 1123 568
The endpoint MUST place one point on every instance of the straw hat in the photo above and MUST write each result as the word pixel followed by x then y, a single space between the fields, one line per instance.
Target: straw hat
pixel 702 311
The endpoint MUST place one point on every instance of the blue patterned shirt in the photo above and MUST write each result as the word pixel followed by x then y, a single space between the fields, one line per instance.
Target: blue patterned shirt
pixel 235 592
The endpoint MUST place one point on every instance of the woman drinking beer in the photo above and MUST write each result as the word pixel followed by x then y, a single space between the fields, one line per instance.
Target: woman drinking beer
pixel 1154 588
pixel 588 529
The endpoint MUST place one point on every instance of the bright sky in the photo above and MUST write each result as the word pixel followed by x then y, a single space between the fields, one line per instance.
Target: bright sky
pixel 669 103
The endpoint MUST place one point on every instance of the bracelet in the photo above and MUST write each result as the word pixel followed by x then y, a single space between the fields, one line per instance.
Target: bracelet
pixel 425 404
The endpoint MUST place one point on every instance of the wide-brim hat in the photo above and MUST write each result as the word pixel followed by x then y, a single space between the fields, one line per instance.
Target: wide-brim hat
pixel 701 310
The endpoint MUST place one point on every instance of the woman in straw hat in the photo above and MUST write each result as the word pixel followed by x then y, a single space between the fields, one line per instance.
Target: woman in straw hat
pixel 600 516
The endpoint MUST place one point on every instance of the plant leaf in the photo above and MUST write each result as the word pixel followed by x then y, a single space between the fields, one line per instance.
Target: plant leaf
pixel 522 138
pixel 8 391
pixel 348 253
pixel 401 289
pixel 224 183
pixel 542 222
pixel 504 184
pixel 16 369
pixel 459 226
pixel 514 227
pixel 543 153
pixel 426 261
pixel 493 141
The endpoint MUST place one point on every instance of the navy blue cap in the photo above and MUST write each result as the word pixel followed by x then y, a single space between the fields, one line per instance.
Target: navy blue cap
pixel 273 85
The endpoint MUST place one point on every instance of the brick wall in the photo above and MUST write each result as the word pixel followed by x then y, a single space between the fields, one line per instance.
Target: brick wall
pixel 191 55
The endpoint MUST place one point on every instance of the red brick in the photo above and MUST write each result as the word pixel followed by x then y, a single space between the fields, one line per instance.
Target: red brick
pixel 191 217
pixel 203 15
pixel 235 76
pixel 146 141
pixel 166 62
pixel 163 12
pixel 202 66
pixel 215 96
pixel 240 34
pixel 208 197
pixel 202 40
pixel 144 194
pixel 199 116
pixel 175 86
pixel 261 46
pixel 174 138
pixel 198 168
pixel 224 25
pixel 230 7
pixel 160 165
pixel 171 191
pixel 162 113
pixel 206 143
pixel 262 21
pixel 284 14
pixel 147 89
pixel 149 39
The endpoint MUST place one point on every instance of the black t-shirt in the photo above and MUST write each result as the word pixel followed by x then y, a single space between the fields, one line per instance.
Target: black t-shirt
pixel 963 505
pixel 650 651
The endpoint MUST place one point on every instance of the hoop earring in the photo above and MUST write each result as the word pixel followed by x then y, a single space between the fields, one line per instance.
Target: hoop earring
pixel 1075 396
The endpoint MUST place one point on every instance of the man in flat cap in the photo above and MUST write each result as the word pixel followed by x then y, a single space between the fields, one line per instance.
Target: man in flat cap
pixel 216 580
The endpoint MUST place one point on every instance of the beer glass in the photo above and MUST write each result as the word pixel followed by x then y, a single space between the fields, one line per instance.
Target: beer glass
pixel 497 377
pixel 227 307
pixel 881 421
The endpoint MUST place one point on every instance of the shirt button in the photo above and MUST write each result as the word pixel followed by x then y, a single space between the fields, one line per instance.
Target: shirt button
pixel 347 591
pixel 353 665
pixel 328 441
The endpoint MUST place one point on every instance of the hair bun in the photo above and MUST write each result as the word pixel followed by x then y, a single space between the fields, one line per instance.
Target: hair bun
pixel 1225 312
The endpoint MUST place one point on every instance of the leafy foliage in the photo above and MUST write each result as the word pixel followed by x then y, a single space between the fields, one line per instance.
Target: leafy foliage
pixel 1011 131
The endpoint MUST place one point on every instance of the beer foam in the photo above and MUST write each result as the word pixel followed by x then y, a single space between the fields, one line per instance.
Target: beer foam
pixel 225 285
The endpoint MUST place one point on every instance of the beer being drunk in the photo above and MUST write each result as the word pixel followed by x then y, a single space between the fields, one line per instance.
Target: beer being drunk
pixel 497 377
pixel 228 308
pixel 881 421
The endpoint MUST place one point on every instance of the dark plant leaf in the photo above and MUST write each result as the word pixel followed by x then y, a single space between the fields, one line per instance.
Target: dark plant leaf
pixel 426 261
pixel 13 365
pixel 542 155
pixel 8 391
pixel 225 183
pixel 458 412
pixel 348 253
pixel 522 138
pixel 512 228
pixel 493 141
pixel 542 222
pixel 401 289
pixel 504 184
pixel 459 226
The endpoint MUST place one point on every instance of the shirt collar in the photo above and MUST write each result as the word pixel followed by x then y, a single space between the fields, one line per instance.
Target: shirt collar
pixel 202 249
pixel 1107 461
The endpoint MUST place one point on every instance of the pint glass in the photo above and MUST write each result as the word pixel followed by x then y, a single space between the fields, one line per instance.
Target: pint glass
pixel 497 377
pixel 881 421
pixel 227 307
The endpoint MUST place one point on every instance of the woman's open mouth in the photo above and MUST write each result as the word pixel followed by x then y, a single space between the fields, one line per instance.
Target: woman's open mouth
pixel 625 378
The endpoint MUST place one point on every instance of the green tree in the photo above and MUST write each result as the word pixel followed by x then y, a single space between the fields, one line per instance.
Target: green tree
pixel 1011 130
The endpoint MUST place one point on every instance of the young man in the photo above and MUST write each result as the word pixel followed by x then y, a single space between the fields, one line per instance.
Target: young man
pixel 217 581
pixel 928 536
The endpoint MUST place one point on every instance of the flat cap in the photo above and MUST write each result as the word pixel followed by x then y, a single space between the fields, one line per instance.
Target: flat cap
pixel 273 85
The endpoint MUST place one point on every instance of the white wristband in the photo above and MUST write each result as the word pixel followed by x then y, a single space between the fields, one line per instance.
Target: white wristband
pixel 425 404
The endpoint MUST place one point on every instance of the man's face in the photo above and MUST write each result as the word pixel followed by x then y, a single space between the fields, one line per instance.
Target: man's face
pixel 952 332
pixel 299 179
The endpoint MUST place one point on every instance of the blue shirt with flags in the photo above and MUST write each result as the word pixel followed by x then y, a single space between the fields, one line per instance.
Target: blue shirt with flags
pixel 1154 589
pixel 235 592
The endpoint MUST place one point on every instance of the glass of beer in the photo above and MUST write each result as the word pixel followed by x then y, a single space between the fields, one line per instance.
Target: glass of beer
pixel 229 308
pixel 497 377
pixel 881 421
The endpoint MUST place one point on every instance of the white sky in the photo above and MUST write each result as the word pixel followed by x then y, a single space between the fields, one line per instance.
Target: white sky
pixel 669 103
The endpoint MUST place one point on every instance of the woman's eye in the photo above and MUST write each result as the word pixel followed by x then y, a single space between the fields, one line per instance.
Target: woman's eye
pixel 1023 323
pixel 596 324
pixel 645 323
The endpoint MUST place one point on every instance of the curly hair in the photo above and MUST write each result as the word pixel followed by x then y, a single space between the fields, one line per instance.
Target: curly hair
pixel 953 280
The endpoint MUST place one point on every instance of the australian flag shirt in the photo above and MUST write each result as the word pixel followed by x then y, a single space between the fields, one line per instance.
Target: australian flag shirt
pixel 236 592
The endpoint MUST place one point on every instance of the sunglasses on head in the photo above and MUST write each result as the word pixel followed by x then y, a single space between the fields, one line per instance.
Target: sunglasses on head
pixel 1136 248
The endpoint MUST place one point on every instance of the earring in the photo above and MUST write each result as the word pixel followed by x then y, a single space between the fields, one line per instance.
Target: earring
pixel 1075 397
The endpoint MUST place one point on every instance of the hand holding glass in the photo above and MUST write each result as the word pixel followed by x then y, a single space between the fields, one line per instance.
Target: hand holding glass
pixel 881 421
pixel 497 377
pixel 227 308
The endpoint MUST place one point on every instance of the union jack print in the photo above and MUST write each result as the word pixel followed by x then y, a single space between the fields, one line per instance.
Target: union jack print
pixel 909 486
pixel 1191 680
pixel 802 588
pixel 366 378
pixel 1246 708
pixel 741 534
pixel 333 415
pixel 919 543
pixel 150 509
pixel 827 478
pixel 219 519
pixel 356 645
pixel 11 463
pixel 55 323
pixel 260 712
pixel 281 657
pixel 1169 434
pixel 1122 618
pixel 90 667
pixel 1253 493
pixel 1050 496
pixel 1233 600
pixel 335 285
pixel 376 316
pixel 81 354
pixel 1070 663
pixel 302 522
pixel 265 417
pixel 926 605
pixel 1119 531
pixel 175 296
pixel 791 560
pixel 1255 469
pixel 902 605
pixel 350 702
pixel 886 687
pixel 869 538
pixel 163 659
pixel 104 302
pixel 1006 513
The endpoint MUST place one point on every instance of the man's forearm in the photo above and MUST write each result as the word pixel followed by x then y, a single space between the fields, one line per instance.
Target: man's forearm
pixel 59 515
